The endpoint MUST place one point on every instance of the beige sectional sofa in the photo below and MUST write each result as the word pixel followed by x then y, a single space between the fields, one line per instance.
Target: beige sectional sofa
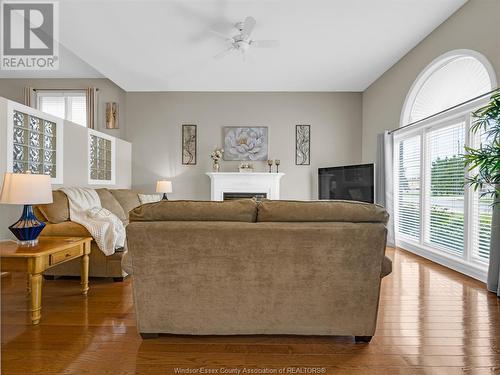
pixel 58 223
pixel 242 267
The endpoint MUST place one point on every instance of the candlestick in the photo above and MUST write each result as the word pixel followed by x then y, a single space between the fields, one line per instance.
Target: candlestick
pixel 270 163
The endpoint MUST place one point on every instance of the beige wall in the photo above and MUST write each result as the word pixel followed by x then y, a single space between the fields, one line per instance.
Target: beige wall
pixel 154 127
pixel 13 89
pixel 344 125
pixel 475 26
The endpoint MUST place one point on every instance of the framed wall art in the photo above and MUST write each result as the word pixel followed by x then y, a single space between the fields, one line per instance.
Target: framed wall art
pixel 189 140
pixel 245 143
pixel 302 144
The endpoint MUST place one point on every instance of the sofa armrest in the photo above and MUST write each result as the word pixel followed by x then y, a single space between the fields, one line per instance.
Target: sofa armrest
pixel 386 267
pixel 66 229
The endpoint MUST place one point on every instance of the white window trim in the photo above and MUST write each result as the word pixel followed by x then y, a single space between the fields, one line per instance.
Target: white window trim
pixel 67 100
pixel 467 263
pixel 113 158
pixel 13 106
pixel 476 270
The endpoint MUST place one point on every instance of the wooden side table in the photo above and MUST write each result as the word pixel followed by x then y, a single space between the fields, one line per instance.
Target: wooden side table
pixel 49 252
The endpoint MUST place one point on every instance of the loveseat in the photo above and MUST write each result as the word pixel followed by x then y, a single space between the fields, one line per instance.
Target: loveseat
pixel 58 223
pixel 243 267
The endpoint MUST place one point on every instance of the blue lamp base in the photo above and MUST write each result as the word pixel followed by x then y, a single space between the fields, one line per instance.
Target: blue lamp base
pixel 27 228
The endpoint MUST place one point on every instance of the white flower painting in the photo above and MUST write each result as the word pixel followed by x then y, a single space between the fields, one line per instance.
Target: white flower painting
pixel 245 143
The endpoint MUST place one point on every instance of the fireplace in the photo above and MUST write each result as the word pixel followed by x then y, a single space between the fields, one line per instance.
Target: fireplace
pixel 227 196
pixel 233 185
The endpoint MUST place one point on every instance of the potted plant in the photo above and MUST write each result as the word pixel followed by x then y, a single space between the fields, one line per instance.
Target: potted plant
pixel 484 165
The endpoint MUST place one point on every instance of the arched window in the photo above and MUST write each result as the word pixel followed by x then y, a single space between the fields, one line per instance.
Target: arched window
pixel 451 79
pixel 436 214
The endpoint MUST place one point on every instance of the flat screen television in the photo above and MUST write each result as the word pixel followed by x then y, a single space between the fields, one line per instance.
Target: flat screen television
pixel 351 182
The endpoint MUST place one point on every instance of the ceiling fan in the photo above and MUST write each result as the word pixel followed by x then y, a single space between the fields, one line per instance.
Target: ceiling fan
pixel 242 41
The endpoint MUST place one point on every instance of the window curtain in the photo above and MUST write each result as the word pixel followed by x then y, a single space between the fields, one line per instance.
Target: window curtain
pixel 30 97
pixel 90 96
pixel 493 282
pixel 385 180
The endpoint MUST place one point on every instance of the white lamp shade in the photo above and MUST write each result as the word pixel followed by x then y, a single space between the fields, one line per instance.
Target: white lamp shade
pixel 164 186
pixel 26 189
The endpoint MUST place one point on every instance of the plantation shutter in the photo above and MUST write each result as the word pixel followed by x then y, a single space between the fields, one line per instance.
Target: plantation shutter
pixel 445 169
pixel 408 185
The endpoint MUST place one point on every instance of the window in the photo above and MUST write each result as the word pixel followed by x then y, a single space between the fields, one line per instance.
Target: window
pixel 445 188
pixel 436 214
pixel 481 214
pixel 36 143
pixel 101 158
pixel 69 105
pixel 408 177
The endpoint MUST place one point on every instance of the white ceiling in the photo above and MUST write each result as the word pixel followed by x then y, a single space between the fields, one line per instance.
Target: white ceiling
pixel 326 45
pixel 70 66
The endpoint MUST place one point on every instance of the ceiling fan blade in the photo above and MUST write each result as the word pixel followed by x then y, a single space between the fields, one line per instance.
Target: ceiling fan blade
pixel 265 43
pixel 220 55
pixel 223 36
pixel 248 26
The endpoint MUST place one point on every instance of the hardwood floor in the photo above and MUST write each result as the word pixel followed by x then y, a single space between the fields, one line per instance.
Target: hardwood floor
pixel 431 321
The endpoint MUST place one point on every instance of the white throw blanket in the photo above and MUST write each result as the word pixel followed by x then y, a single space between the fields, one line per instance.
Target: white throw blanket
pixel 85 209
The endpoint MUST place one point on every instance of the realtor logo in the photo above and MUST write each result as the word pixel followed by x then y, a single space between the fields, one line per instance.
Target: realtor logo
pixel 29 35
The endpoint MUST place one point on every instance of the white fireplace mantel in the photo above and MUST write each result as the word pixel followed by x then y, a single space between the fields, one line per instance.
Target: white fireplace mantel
pixel 240 182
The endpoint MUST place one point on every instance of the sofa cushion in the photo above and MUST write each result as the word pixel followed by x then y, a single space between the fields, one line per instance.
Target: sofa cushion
pixel 66 229
pixel 58 210
pixel 109 202
pixel 127 198
pixel 243 210
pixel 310 211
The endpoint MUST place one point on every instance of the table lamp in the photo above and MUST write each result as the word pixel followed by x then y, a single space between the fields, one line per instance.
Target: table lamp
pixel 26 189
pixel 164 187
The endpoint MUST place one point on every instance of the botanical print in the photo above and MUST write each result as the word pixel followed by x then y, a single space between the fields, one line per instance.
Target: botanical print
pixel 245 143
pixel 189 144
pixel 302 144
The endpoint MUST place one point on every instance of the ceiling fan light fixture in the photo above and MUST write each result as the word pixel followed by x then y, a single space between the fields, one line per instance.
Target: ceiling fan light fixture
pixel 242 41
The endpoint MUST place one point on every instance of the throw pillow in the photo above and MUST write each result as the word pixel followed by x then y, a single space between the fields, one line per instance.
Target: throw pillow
pixel 57 211
pixel 150 198
pixel 127 198
pixel 109 202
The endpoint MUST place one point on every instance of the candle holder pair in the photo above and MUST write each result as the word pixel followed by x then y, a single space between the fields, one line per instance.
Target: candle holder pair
pixel 276 162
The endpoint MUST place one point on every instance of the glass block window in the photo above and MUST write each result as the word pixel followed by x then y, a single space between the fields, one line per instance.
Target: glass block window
pixel 100 154
pixel 34 145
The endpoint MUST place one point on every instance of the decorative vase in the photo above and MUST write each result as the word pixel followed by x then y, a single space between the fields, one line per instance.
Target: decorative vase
pixel 216 166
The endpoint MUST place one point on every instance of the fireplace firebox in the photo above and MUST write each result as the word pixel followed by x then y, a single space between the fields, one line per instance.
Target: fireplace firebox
pixel 227 196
